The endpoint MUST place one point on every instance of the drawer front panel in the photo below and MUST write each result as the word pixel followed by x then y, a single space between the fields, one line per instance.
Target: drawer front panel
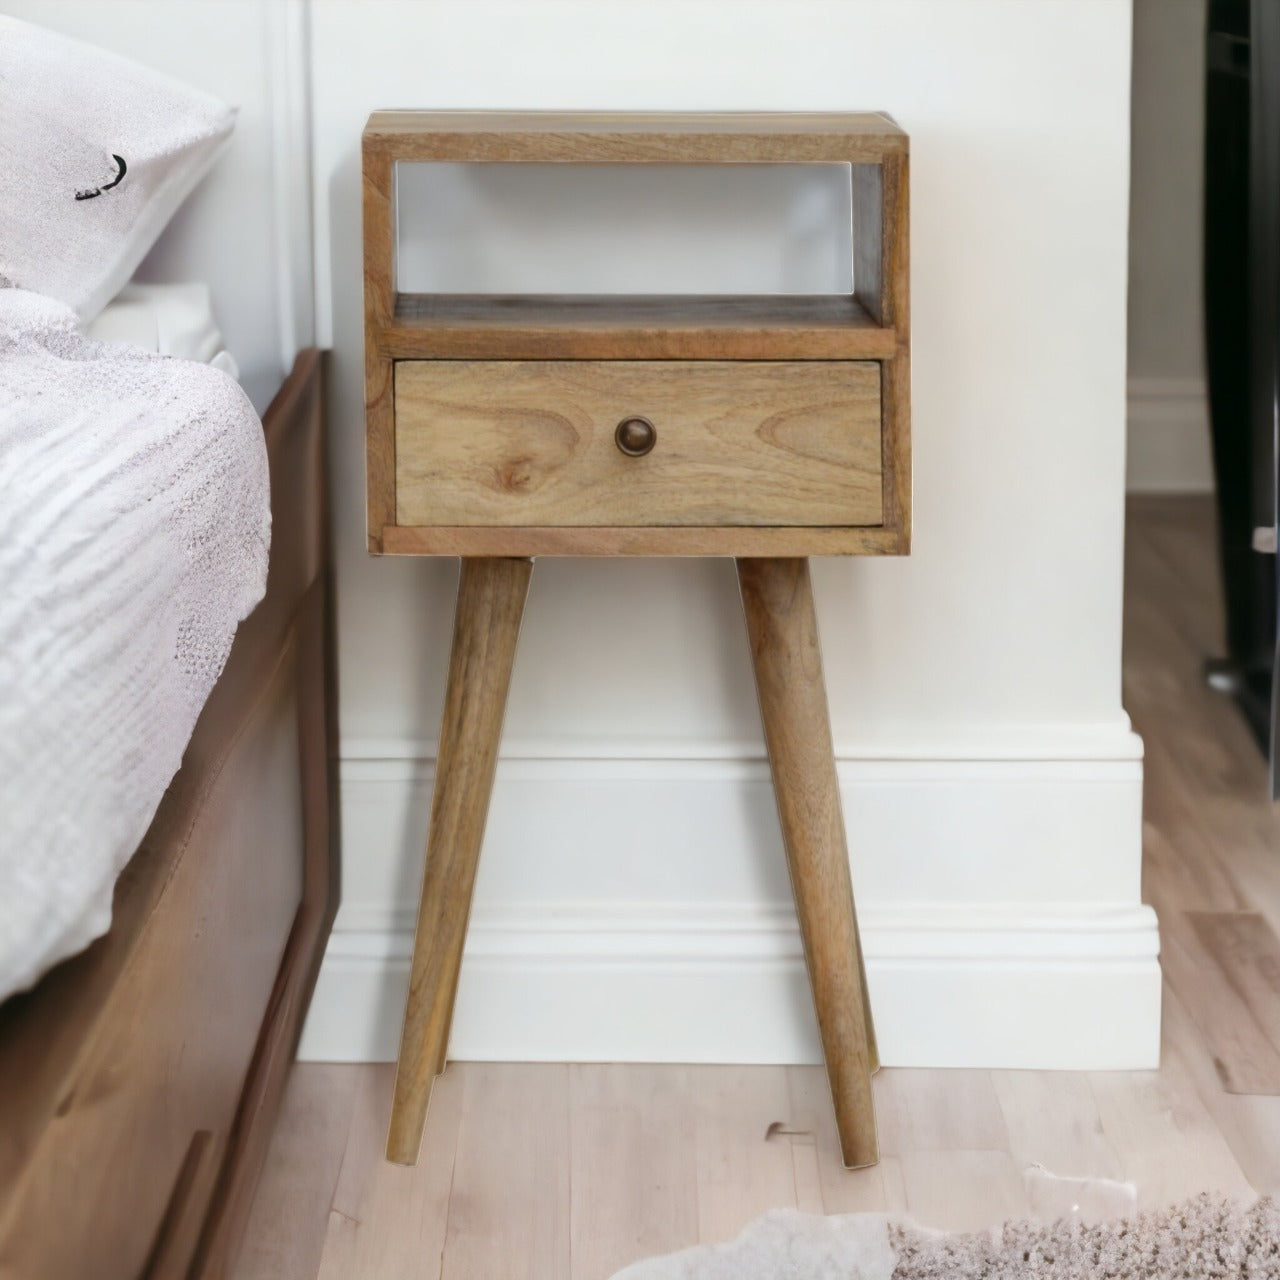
pixel 511 443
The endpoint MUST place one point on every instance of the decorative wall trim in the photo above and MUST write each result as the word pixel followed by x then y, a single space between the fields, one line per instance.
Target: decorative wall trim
pixel 1168 445
pixel 645 914
pixel 1029 987
pixel 1108 742
pixel 287 24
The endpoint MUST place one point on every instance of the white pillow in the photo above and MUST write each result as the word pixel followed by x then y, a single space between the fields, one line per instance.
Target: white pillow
pixel 96 155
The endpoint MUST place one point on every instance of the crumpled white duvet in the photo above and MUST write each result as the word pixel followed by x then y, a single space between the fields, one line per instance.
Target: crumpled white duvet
pixel 134 528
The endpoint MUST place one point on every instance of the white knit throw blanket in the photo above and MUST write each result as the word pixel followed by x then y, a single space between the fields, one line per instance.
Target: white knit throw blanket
pixel 134 530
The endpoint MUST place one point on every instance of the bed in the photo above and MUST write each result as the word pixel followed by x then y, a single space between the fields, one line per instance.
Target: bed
pixel 140 1077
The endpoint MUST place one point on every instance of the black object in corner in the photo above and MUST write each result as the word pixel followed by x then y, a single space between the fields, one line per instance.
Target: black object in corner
pixel 1242 303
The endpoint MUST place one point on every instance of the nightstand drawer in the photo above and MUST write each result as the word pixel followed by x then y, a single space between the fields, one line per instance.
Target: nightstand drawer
pixel 512 443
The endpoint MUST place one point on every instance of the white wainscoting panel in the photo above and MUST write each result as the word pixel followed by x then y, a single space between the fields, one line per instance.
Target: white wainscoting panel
pixel 636 907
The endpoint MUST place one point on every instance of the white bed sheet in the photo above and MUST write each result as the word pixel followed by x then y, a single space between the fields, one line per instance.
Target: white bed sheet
pixel 134 530
pixel 169 319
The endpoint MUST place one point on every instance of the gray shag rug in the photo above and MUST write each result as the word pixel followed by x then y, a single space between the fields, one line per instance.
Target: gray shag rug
pixel 1203 1239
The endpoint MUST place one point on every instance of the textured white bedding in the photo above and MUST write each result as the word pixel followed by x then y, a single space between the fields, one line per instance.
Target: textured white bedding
pixel 134 529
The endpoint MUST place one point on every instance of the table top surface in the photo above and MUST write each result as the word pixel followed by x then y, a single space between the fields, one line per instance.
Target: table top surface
pixel 852 124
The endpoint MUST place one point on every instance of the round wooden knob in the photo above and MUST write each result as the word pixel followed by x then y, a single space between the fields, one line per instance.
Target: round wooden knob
pixel 635 436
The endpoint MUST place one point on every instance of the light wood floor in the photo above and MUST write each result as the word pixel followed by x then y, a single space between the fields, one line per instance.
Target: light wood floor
pixel 555 1171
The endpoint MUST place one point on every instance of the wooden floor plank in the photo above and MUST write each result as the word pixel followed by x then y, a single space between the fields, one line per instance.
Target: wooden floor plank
pixel 1168 1144
pixel 815 1149
pixel 1244 950
pixel 390 1219
pixel 633 1185
pixel 962 1190
pixel 922 1110
pixel 285 1234
pixel 509 1204
pixel 743 1167
pixel 1245 1060
pixel 1250 1124
pixel 1052 1121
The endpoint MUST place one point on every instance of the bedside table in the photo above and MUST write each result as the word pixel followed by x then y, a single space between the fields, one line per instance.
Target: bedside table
pixel 767 428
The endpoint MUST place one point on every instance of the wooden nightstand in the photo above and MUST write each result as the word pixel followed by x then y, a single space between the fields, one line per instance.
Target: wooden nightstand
pixel 765 428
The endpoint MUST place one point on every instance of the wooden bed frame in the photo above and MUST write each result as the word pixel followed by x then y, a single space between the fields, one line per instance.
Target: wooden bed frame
pixel 139 1080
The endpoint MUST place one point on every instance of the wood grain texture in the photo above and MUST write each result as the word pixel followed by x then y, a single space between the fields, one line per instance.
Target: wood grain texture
pixel 923 1110
pixel 1245 950
pixel 1051 1119
pixel 1167 1141
pixel 964 1189
pixel 1243 1054
pixel 510 1217
pixel 869 269
pixel 869 323
pixel 633 137
pixel 491 596
pixel 474 540
pixel 1249 1123
pixel 284 1237
pixel 378 199
pixel 175 1241
pixel 167 1052
pixel 895 310
pixel 518 443
pixel 743 1166
pixel 777 599
pixel 823 1184
pixel 388 1219
pixel 631 1189
pixel 633 327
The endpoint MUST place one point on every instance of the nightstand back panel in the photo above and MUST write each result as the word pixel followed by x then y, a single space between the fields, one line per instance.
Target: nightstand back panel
pixel 734 443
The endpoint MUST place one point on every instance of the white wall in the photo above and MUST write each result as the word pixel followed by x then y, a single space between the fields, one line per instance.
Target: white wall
pixel 632 901
pixel 1168 422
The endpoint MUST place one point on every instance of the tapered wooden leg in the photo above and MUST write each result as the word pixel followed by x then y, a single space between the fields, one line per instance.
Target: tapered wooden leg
pixel 778 601
pixel 491 596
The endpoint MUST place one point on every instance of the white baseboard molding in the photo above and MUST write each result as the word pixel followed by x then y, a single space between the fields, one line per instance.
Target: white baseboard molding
pixel 632 905
pixel 1168 444
pixel 1065 989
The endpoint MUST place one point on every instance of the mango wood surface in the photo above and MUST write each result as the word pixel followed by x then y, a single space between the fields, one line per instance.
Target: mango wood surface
pixel 782 431
pixel 491 596
pixel 529 442
pixel 869 323
pixel 474 540
pixel 895 310
pixel 175 1241
pixel 777 599
pixel 535 326
pixel 378 180
pixel 98 1187
pixel 867 203
pixel 634 137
